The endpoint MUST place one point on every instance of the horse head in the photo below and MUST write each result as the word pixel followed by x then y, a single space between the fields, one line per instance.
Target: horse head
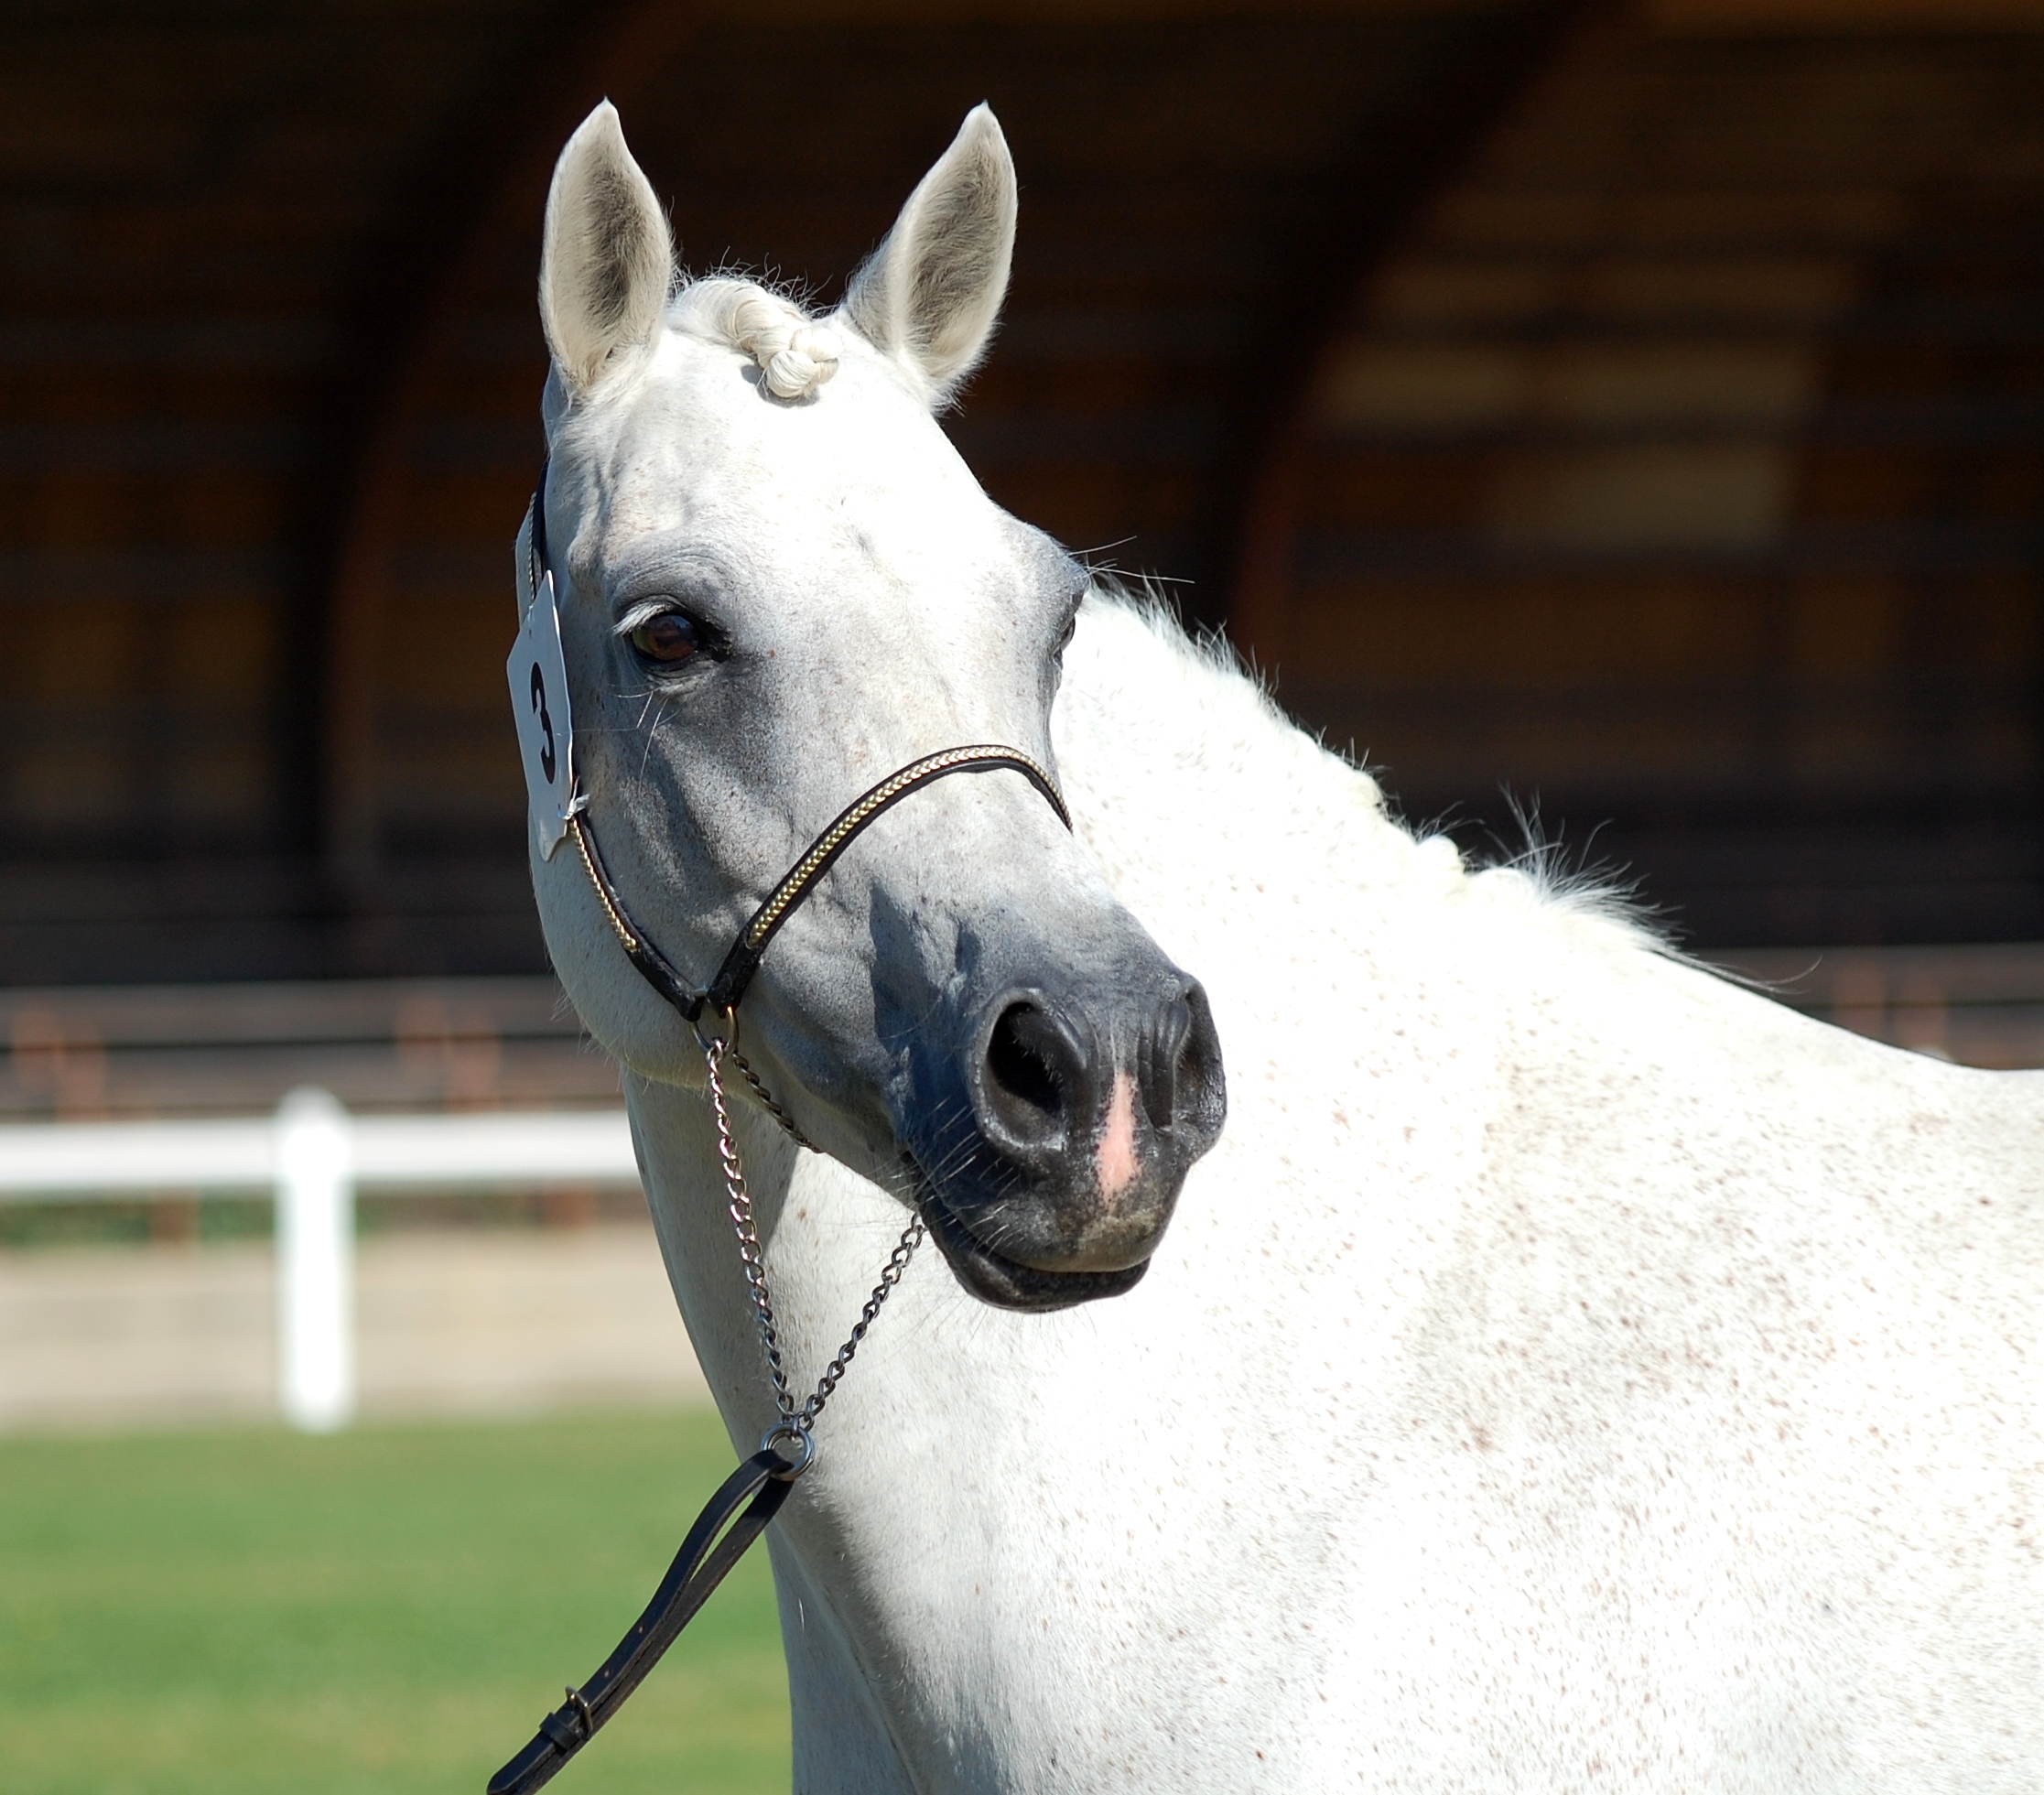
pixel 778 582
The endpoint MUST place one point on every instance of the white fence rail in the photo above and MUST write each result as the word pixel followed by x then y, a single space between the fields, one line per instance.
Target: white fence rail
pixel 313 1156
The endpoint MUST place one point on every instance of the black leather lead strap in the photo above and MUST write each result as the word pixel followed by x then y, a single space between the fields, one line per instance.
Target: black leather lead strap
pixel 758 1488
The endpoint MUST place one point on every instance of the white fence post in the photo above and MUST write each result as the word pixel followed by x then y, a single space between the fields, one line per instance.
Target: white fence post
pixel 312 1155
pixel 315 1262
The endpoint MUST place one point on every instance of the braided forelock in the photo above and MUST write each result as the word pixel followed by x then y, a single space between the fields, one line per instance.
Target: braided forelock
pixel 795 355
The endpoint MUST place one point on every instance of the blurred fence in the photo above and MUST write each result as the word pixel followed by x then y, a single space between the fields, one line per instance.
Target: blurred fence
pixel 1978 1005
pixel 312 1158
pixel 86 1054
pixel 128 1087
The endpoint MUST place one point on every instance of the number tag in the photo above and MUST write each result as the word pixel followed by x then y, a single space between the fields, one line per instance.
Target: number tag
pixel 538 674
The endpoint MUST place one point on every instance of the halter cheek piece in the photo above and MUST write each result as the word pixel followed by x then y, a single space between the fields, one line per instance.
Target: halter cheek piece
pixel 750 1497
pixel 722 993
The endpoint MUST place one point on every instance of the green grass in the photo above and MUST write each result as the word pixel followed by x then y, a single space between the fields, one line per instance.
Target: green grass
pixel 390 1609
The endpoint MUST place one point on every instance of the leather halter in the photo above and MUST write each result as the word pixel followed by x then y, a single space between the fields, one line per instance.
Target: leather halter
pixel 722 993
pixel 752 1494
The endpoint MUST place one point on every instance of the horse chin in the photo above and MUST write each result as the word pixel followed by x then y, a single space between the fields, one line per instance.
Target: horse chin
pixel 1006 1283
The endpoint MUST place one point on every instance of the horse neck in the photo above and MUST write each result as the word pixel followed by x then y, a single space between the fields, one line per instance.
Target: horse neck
pixel 960 1432
pixel 1226 830
pixel 1214 818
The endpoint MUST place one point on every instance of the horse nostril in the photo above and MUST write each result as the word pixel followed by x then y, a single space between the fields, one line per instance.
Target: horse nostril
pixel 1019 1066
pixel 1162 1068
pixel 1187 1087
pixel 1031 1070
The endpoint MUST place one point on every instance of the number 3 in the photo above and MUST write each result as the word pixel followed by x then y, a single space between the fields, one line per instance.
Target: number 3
pixel 546 722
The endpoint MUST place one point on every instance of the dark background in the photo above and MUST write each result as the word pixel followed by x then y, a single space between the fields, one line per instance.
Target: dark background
pixel 1640 414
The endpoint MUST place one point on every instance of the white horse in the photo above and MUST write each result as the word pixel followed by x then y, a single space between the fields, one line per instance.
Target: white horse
pixel 1566 1370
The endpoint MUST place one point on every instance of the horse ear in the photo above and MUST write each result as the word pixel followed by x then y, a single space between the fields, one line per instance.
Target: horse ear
pixel 607 262
pixel 930 294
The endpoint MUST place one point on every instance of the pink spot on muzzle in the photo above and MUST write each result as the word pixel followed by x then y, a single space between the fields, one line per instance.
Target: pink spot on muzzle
pixel 1114 1163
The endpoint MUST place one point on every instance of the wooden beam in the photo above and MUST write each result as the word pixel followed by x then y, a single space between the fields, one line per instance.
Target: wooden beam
pixel 1075 12
pixel 1372 203
pixel 1845 16
pixel 581 54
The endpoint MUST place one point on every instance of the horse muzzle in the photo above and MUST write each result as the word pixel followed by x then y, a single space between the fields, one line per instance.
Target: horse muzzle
pixel 1086 1112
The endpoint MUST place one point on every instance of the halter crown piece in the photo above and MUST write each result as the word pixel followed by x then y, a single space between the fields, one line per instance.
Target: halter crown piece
pixel 738 1514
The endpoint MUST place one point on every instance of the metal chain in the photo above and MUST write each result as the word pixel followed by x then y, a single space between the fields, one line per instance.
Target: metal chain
pixel 800 1420
pixel 766 1101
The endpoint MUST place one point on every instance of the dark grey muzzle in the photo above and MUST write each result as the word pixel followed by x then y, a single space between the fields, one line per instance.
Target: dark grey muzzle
pixel 1085 1110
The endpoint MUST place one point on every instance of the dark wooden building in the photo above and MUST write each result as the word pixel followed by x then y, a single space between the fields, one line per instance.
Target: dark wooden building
pixel 1638 411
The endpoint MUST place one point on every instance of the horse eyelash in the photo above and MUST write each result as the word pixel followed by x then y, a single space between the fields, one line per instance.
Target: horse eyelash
pixel 643 612
pixel 716 644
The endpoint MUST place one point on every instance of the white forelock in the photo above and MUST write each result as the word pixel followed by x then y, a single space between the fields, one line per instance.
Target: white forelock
pixel 796 355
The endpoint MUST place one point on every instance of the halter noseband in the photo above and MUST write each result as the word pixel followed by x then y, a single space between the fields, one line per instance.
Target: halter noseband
pixel 722 995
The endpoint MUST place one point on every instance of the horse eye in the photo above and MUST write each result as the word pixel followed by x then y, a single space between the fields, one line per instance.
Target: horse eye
pixel 668 638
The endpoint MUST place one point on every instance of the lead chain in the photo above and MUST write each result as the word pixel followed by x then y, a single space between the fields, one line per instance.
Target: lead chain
pixel 803 1418
pixel 765 1098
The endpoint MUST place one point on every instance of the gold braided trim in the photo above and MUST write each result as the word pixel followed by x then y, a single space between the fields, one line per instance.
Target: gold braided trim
pixel 855 819
pixel 625 937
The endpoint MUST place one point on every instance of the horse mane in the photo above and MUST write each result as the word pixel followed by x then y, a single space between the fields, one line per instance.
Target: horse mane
pixel 1245 725
pixel 796 356
pixel 1597 892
